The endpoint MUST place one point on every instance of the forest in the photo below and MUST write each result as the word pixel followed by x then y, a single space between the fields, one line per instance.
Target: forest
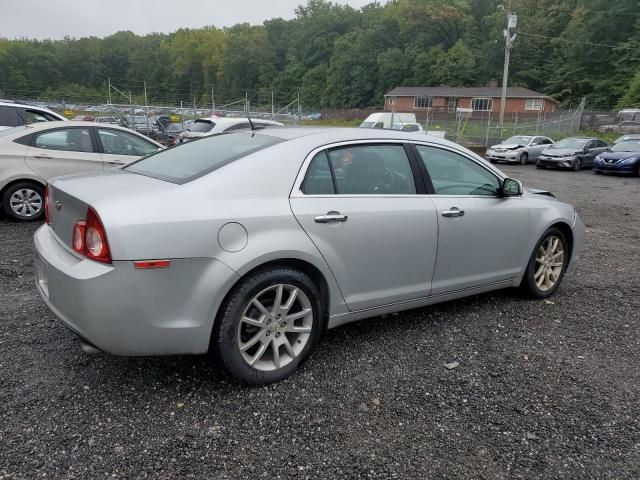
pixel 335 56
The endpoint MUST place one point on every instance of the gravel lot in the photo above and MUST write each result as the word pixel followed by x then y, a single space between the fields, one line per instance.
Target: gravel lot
pixel 543 390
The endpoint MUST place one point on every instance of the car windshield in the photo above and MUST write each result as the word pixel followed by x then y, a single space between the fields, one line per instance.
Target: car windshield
pixel 627 146
pixel 576 143
pixel 202 126
pixel 518 140
pixel 194 159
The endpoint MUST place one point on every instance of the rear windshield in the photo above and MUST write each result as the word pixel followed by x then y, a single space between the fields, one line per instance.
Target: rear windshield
pixel 194 159
pixel 202 126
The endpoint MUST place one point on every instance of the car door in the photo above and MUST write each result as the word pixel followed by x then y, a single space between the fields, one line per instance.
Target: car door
pixel 119 147
pixel 598 148
pixel 361 206
pixel 63 151
pixel 538 144
pixel 481 233
pixel 592 149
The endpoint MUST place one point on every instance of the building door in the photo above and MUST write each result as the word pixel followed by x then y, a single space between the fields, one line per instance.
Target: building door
pixel 453 104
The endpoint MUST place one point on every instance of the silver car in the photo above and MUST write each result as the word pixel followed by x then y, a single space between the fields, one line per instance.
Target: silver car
pixel 32 154
pixel 519 149
pixel 250 244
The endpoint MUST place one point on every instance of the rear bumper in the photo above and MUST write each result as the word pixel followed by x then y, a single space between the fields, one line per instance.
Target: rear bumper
pixel 126 311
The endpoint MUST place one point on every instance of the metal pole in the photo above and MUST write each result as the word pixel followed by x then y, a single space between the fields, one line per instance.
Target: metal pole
pixel 213 100
pixel 272 107
pixel 109 80
pixel 511 25
pixel 246 103
pixel 146 105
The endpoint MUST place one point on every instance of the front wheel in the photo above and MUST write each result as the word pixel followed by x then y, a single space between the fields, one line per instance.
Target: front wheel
pixel 524 158
pixel 269 325
pixel 547 265
pixel 577 166
pixel 24 201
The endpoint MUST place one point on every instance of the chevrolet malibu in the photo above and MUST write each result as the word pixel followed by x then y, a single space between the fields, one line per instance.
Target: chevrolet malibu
pixel 250 244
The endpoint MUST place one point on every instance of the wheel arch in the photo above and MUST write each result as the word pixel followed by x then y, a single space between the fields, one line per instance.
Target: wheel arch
pixel 316 275
pixel 565 228
pixel 21 180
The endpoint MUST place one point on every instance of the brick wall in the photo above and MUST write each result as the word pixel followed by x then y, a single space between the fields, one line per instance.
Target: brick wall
pixel 513 105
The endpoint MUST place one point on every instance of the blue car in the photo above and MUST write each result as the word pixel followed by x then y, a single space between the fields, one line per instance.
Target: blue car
pixel 623 157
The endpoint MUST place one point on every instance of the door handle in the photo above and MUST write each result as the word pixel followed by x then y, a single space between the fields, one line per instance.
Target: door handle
pixel 331 217
pixel 454 212
pixel 43 156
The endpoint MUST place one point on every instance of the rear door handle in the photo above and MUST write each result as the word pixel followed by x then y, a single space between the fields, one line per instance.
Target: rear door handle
pixel 43 156
pixel 331 217
pixel 454 212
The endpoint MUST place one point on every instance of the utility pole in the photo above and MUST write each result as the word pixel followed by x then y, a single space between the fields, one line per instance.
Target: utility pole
pixel 273 112
pixel 109 81
pixel 510 36
pixel 246 103
pixel 213 101
pixel 146 105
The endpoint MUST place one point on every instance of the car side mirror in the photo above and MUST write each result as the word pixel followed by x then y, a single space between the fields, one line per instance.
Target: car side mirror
pixel 511 187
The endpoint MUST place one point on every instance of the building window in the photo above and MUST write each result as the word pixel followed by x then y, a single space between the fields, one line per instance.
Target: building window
pixel 482 104
pixel 533 104
pixel 422 102
pixel 391 100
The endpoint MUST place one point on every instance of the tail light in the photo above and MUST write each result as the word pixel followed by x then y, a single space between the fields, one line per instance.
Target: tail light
pixel 47 211
pixel 90 238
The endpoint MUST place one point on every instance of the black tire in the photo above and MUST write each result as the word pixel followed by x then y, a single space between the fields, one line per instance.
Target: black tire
pixel 524 158
pixel 540 166
pixel 226 330
pixel 25 187
pixel 528 285
pixel 492 160
pixel 577 166
pixel 637 172
pixel 597 172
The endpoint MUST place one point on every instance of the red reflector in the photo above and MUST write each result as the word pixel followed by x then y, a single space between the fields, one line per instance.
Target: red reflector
pixel 146 264
pixel 47 208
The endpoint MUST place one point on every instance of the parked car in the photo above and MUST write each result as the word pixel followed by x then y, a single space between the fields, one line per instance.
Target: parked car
pixel 624 138
pixel 84 118
pixel 141 124
pixel 286 232
pixel 169 134
pixel 518 149
pixel 623 157
pixel 409 127
pixel 31 155
pixel 387 119
pixel 110 120
pixel 204 127
pixel 572 152
pixel 628 121
pixel 15 114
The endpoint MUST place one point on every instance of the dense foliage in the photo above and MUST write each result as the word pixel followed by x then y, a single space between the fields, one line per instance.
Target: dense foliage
pixel 335 56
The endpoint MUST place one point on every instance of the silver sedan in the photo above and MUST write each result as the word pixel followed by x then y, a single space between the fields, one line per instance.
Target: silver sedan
pixel 519 149
pixel 250 244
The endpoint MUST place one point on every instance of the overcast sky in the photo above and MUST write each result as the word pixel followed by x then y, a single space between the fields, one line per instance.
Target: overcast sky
pixel 82 18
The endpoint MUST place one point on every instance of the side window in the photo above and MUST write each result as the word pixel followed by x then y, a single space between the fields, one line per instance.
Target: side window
pixel 115 142
pixel 35 116
pixel 238 126
pixel 453 174
pixel 547 141
pixel 69 139
pixel 372 170
pixel 318 179
pixel 591 144
pixel 10 117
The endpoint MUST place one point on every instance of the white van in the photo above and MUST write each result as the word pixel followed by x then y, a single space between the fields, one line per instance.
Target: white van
pixel 388 120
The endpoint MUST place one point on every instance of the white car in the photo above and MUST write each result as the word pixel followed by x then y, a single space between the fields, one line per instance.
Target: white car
pixel 205 127
pixel 519 149
pixel 30 155
pixel 15 114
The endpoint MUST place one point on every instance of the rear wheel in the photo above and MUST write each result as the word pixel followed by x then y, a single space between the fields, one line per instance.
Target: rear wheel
pixel 24 201
pixel 547 264
pixel 269 325
pixel 540 166
pixel 524 158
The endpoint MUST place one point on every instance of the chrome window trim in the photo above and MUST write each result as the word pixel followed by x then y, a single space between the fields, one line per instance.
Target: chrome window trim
pixel 296 191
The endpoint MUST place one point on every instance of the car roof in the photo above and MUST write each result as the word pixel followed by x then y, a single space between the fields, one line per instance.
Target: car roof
pixel 4 103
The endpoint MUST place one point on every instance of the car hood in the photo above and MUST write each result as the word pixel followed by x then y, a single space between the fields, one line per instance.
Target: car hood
pixel 619 155
pixel 561 152
pixel 507 146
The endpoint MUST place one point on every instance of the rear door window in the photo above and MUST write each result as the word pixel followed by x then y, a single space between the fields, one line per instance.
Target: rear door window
pixel 68 139
pixel 11 117
pixel 372 170
pixel 318 180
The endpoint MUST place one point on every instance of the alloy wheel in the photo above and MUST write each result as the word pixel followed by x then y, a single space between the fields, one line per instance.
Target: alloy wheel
pixel 25 203
pixel 524 158
pixel 275 327
pixel 549 263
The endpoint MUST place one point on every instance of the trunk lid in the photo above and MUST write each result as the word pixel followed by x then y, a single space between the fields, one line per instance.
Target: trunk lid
pixel 71 196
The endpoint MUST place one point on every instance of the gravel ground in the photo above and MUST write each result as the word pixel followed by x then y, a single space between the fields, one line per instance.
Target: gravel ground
pixel 542 390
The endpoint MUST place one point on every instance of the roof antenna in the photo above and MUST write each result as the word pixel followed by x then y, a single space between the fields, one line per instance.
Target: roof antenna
pixel 251 123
